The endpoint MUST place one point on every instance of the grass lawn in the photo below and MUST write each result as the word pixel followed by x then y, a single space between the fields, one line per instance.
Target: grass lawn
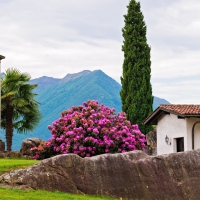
pixel 10 164
pixel 15 194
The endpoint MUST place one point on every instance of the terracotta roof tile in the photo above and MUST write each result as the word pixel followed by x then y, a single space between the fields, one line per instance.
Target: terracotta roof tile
pixel 182 109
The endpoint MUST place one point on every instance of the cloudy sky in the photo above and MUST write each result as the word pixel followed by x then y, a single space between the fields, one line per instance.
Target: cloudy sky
pixel 57 37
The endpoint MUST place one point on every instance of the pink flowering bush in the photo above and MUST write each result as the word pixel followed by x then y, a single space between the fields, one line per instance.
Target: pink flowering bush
pixel 89 130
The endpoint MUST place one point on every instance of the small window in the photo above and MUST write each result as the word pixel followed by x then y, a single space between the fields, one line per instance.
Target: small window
pixel 180 144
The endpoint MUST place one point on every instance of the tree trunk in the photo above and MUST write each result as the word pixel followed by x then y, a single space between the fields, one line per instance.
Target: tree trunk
pixel 9 125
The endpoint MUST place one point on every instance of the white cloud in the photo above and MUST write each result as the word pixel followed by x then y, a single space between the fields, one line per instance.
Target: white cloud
pixel 56 37
pixel 186 92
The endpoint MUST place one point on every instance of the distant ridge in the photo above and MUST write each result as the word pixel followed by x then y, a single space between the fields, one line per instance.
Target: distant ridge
pixel 44 82
pixel 70 77
pixel 157 101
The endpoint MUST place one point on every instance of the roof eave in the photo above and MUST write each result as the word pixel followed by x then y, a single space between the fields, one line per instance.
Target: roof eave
pixel 188 116
pixel 152 119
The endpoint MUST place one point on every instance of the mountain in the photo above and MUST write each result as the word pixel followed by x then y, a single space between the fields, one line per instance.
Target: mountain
pixel 70 77
pixel 157 101
pixel 44 82
pixel 57 95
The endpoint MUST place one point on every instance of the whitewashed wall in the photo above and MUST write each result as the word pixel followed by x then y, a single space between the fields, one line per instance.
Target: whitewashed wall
pixel 190 123
pixel 173 127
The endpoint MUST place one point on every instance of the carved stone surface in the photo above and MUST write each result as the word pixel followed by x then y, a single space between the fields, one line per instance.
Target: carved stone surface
pixel 131 175
pixel 29 143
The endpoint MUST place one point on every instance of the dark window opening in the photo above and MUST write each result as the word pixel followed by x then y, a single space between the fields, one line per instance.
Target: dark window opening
pixel 180 144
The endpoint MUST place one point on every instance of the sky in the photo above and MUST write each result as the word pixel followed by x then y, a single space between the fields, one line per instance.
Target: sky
pixel 57 37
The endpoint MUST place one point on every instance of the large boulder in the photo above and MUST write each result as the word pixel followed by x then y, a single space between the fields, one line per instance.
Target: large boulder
pixel 131 175
pixel 29 143
pixel 151 139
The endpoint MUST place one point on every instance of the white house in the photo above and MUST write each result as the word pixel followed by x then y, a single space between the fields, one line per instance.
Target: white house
pixel 178 127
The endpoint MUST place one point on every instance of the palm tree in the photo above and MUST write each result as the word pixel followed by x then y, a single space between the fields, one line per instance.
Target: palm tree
pixel 19 109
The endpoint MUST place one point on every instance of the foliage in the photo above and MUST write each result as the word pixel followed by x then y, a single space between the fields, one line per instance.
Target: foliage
pixel 55 98
pixel 90 130
pixel 19 110
pixel 136 93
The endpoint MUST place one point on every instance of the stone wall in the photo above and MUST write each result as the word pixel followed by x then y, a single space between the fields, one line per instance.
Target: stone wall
pixel 11 154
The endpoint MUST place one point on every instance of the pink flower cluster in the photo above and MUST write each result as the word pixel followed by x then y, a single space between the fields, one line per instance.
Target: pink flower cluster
pixel 92 129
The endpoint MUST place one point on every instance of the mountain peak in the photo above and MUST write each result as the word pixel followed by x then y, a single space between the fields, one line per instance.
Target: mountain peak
pixel 45 79
pixel 73 76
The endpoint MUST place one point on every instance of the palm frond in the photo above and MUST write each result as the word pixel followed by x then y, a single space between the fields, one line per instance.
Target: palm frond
pixel 18 93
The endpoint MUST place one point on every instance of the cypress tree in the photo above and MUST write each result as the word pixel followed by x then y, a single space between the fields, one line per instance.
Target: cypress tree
pixel 136 93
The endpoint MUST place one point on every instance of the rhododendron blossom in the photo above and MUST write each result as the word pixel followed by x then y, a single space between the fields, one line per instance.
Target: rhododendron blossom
pixel 89 130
